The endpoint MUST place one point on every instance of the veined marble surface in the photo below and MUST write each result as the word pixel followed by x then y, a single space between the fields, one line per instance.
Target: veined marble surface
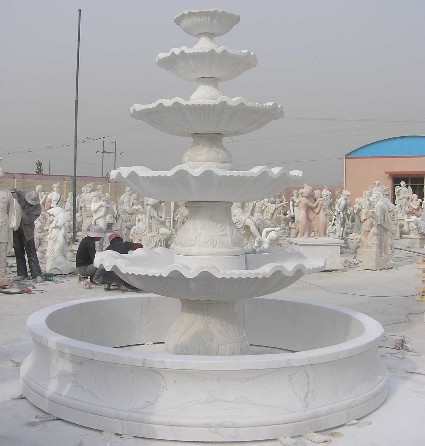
pixel 77 371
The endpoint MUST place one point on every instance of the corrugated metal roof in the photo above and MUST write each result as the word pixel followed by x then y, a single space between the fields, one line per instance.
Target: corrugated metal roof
pixel 398 146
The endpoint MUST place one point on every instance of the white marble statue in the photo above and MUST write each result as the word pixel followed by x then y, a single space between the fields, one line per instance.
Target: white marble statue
pixel 139 229
pixel 84 207
pixel 9 220
pixel 402 197
pixel 414 208
pixel 59 239
pixel 245 223
pixel 54 198
pixel 126 213
pixel 42 194
pixel 157 233
pixel 69 202
pixel 292 208
pixel 100 207
pixel 41 235
pixel 341 211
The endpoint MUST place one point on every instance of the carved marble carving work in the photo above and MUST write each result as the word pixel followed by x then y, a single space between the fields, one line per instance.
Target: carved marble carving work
pixel 84 208
pixel 59 240
pixel 54 198
pixel 9 219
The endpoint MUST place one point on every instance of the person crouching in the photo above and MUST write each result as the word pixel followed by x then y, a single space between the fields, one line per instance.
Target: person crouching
pixel 86 253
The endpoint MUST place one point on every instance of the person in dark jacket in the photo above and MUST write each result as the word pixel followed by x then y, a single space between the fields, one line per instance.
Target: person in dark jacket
pixel 117 244
pixel 23 237
pixel 85 255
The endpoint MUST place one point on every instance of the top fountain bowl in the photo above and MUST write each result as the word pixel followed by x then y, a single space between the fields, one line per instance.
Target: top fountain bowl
pixel 210 21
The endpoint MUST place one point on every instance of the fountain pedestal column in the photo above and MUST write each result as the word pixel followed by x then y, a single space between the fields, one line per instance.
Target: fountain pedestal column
pixel 207 328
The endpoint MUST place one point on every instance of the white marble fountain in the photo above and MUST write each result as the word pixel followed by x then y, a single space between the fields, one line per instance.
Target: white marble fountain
pixel 198 360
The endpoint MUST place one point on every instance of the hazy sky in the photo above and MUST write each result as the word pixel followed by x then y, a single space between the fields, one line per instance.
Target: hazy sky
pixel 347 73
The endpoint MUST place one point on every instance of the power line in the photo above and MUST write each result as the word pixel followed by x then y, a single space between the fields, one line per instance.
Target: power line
pixel 138 127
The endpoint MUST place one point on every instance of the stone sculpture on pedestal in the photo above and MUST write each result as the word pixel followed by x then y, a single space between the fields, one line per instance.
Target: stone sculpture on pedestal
pixel 376 237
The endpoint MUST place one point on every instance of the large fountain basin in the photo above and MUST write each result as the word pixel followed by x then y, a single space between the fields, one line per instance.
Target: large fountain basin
pixel 225 116
pixel 312 367
pixel 187 183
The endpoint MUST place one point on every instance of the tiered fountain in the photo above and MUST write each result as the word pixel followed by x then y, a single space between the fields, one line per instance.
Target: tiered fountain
pixel 219 367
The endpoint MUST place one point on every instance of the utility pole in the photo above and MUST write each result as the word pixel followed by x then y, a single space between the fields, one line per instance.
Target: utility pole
pixel 74 180
pixel 103 154
pixel 115 153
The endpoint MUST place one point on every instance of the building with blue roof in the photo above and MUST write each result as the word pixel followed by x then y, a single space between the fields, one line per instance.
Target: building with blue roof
pixel 389 161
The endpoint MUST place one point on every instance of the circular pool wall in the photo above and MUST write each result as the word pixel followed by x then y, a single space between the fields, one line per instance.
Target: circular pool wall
pixel 100 363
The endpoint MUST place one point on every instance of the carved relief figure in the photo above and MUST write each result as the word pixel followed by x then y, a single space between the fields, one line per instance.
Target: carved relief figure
pixel 180 216
pixel 246 225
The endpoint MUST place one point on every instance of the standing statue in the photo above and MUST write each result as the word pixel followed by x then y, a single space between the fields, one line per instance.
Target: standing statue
pixel 59 239
pixel 100 207
pixel 126 215
pixel 54 198
pixel 304 206
pixel 320 221
pixel 42 194
pixel 327 202
pixel 402 196
pixel 382 224
pixel 69 202
pixel 84 207
pixel 9 220
pixel 292 201
pixel 341 212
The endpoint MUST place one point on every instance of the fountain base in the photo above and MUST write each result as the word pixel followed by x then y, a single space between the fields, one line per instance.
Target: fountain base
pixel 96 363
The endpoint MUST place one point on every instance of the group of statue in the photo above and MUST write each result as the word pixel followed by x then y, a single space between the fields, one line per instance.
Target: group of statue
pixel 372 220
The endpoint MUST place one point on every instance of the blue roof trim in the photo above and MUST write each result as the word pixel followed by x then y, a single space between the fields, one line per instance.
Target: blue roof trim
pixel 398 146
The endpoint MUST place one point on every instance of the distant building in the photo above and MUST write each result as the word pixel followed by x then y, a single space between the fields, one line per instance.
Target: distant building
pixel 389 161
